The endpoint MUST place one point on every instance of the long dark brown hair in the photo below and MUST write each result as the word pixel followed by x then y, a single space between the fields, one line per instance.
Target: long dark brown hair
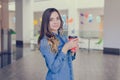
pixel 52 40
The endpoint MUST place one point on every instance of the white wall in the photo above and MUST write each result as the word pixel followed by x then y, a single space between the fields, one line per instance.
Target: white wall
pixel 11 6
pixel 28 26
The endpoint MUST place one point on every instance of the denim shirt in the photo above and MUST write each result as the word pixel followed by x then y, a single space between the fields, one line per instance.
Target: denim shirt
pixel 59 64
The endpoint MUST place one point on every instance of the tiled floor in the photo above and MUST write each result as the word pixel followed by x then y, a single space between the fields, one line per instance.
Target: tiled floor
pixel 88 66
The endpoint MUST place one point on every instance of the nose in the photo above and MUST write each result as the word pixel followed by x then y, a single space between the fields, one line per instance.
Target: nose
pixel 55 21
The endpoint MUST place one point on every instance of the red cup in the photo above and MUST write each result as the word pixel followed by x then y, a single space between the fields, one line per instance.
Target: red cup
pixel 74 48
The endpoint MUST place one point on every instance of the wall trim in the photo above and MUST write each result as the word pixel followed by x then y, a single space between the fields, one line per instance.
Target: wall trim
pixel 19 43
pixel 114 51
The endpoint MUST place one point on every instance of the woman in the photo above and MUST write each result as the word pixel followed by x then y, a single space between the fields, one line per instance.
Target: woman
pixel 55 47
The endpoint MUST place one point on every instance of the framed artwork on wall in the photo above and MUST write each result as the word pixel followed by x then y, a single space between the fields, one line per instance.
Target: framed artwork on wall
pixel 91 27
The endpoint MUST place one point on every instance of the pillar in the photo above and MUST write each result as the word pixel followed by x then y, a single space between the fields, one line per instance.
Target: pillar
pixel 24 21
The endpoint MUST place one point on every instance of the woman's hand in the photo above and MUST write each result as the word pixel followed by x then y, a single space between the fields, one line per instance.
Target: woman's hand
pixel 70 44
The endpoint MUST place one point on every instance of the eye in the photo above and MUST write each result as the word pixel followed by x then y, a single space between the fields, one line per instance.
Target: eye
pixel 58 18
pixel 51 19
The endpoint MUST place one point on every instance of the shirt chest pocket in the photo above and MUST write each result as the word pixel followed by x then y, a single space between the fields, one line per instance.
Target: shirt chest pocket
pixel 60 46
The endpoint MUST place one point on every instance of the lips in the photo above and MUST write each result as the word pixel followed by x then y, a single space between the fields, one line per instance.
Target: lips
pixel 55 25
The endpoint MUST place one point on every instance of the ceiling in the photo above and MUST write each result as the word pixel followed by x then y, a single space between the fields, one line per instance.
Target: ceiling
pixel 34 0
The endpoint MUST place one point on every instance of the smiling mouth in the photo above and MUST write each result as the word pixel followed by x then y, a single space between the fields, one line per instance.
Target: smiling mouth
pixel 55 26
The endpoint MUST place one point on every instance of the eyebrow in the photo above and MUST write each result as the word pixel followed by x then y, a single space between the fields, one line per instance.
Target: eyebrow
pixel 55 17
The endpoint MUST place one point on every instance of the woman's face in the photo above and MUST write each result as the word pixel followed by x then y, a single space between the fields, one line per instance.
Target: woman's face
pixel 54 22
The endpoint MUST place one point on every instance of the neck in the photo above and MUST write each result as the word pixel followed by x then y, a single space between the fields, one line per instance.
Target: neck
pixel 56 32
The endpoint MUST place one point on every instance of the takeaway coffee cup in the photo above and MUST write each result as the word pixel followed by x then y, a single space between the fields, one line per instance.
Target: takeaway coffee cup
pixel 74 48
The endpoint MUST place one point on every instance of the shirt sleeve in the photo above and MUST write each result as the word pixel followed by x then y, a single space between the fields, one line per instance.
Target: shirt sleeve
pixel 54 61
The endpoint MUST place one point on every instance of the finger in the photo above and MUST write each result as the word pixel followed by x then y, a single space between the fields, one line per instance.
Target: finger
pixel 75 39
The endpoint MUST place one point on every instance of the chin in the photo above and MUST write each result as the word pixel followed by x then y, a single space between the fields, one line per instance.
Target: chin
pixel 55 29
